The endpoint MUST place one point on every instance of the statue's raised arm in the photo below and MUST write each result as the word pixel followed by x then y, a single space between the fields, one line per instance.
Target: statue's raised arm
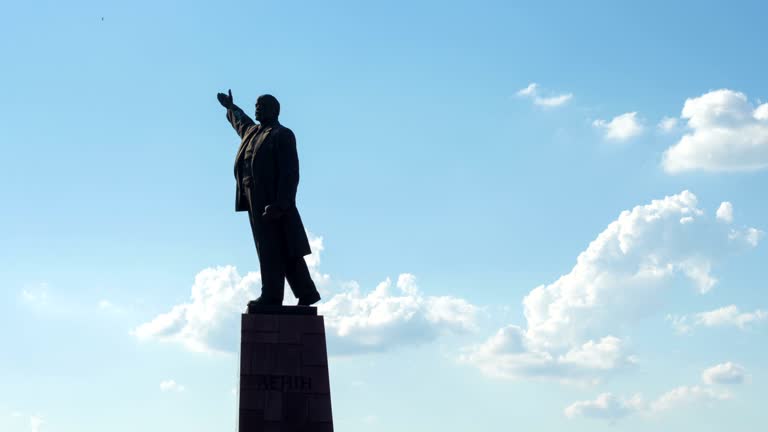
pixel 237 117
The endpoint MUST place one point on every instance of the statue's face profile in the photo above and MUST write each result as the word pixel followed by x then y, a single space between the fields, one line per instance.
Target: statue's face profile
pixel 267 108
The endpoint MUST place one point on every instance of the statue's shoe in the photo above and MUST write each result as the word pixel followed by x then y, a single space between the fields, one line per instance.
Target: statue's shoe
pixel 309 300
pixel 261 301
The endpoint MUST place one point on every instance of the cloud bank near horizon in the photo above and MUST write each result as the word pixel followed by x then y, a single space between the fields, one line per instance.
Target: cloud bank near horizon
pixel 608 406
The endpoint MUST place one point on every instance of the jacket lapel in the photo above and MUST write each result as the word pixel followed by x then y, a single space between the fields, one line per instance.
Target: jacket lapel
pixel 260 140
pixel 243 144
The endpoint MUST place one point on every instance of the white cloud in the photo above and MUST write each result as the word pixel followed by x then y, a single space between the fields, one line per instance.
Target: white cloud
pixel 532 92
pixel 313 262
pixel 684 395
pixel 605 406
pixel 725 212
pixel 171 386
pixel 622 272
pixel 681 324
pixel 621 277
pixel 36 423
pixel 209 321
pixel 606 354
pixel 528 91
pixel 510 355
pixel 761 112
pixel 610 407
pixel 621 128
pixel 667 124
pixel 730 316
pixel 387 317
pixel 724 373
pixel 553 101
pixel 355 322
pixel 750 235
pixel 727 134
pixel 726 316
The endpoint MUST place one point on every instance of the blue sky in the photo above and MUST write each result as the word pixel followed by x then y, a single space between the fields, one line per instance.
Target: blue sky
pixel 548 215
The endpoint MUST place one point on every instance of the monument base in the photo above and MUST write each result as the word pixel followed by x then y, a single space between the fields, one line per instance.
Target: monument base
pixel 284 384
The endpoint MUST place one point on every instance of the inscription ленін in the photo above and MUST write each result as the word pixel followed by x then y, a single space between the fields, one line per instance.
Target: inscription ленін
pixel 282 383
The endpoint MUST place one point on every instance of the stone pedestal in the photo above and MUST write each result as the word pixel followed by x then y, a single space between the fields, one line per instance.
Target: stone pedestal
pixel 284 385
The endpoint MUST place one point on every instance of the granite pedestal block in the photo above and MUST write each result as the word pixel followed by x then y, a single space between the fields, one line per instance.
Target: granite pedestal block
pixel 284 384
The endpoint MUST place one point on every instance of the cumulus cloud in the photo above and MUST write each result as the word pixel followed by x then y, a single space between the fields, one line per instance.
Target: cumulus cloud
pixel 171 386
pixel 390 316
pixel 667 124
pixel 605 406
pixel 633 261
pixel 761 112
pixel 727 133
pixel 730 315
pixel 688 395
pixel 621 277
pixel 611 407
pixel 533 92
pixel 724 373
pixel 356 322
pixel 725 212
pixel 623 127
pixel 209 321
pixel 313 262
pixel 510 354
pixel 727 316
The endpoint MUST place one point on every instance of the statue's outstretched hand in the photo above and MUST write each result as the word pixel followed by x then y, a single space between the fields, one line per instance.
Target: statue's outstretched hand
pixel 225 100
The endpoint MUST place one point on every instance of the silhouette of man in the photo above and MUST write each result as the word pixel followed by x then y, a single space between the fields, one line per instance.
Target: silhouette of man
pixel 267 175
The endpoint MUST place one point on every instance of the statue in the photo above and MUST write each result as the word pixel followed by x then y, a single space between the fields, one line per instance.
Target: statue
pixel 267 176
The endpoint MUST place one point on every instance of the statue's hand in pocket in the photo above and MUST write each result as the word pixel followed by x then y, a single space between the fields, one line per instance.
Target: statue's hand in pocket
pixel 272 213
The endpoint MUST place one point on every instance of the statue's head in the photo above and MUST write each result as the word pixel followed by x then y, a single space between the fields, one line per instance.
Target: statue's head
pixel 267 108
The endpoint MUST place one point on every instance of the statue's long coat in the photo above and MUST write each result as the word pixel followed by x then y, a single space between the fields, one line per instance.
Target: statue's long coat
pixel 275 172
